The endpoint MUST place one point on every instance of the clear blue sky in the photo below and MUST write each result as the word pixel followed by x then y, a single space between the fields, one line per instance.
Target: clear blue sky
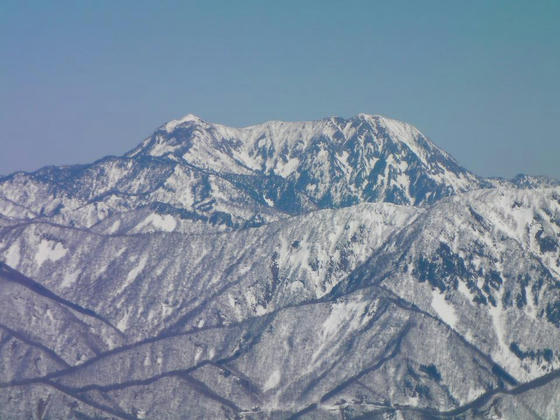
pixel 84 79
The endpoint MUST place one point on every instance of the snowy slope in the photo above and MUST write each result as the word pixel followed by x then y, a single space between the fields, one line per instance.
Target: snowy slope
pixel 323 269
pixel 485 262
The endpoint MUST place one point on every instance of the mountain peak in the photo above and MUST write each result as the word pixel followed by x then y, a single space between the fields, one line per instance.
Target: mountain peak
pixel 189 118
pixel 366 116
pixel 387 122
pixel 328 162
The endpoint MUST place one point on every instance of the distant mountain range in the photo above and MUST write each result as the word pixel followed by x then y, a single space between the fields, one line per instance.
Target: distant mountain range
pixel 339 268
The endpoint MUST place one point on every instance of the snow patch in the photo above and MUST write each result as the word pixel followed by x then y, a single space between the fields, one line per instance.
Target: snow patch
pixel 147 360
pixel 114 227
pixel 445 311
pixel 70 279
pixel 272 381
pixel 285 169
pixel 165 223
pixel 268 201
pixel 198 353
pixel 49 250
pixel 344 314
pixel 464 290
pixel 162 149
pixel 132 274
pixel 13 256
pixel 297 287
pixel 123 323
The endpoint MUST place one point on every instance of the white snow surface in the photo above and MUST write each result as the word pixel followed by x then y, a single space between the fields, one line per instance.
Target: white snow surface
pixel 12 257
pixel 444 309
pixel 49 251
pixel 157 222
pixel 273 380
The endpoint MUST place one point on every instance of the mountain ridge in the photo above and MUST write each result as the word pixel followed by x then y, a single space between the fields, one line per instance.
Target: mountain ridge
pixel 227 283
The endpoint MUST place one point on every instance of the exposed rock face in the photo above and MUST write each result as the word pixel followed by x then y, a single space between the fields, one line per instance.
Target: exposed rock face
pixel 335 268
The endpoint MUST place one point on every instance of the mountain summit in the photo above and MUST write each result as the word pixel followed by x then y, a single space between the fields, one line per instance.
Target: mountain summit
pixel 339 268
pixel 332 162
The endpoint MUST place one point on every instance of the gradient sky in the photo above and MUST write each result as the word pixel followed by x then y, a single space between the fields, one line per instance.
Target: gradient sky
pixel 84 79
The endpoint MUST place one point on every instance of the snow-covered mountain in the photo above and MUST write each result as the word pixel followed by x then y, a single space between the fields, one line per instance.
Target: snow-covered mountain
pixel 334 268
pixel 328 163
pixel 198 171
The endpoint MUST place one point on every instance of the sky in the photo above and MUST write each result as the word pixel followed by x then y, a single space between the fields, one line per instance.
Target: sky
pixel 83 79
